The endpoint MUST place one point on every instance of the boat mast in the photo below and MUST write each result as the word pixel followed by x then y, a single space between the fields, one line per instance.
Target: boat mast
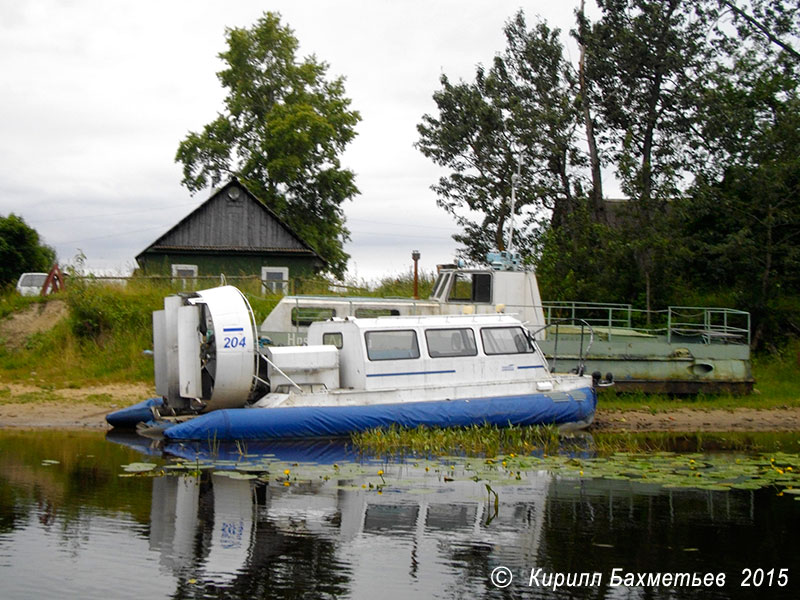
pixel 514 182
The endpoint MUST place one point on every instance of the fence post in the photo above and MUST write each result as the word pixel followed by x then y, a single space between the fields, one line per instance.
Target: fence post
pixel 669 324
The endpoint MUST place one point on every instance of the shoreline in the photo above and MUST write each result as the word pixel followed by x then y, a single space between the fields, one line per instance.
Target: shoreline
pixel 30 407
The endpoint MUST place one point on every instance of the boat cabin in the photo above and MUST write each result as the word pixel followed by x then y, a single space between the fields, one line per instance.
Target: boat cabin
pixel 387 353
pixel 456 291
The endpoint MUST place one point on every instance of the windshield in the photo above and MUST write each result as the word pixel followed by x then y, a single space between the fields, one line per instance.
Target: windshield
pixel 32 280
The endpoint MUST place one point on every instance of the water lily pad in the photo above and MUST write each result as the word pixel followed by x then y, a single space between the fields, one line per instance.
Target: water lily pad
pixel 746 486
pixel 139 467
pixel 252 468
pixel 235 475
pixel 189 466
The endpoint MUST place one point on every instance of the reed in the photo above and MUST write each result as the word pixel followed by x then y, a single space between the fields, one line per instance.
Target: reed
pixel 476 440
pixel 490 441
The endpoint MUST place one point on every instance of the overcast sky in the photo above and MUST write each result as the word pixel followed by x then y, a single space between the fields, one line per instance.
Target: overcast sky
pixel 97 94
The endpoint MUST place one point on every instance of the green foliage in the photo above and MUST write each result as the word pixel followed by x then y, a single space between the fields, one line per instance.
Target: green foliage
pixel 97 311
pixel 21 250
pixel 585 261
pixel 282 131
pixel 102 338
pixel 697 119
pixel 741 223
pixel 520 109
pixel 402 286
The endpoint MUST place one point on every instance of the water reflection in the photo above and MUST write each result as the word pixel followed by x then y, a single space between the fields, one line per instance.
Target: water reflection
pixel 74 528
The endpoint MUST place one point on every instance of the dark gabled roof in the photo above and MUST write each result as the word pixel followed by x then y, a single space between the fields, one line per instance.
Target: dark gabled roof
pixel 232 220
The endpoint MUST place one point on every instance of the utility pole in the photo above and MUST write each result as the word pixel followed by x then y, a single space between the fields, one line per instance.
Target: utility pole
pixel 415 257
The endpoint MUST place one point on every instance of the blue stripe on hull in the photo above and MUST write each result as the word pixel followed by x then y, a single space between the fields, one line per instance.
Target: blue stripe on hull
pixel 410 373
pixel 334 421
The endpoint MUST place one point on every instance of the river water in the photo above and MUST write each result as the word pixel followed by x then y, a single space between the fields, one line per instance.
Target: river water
pixel 80 519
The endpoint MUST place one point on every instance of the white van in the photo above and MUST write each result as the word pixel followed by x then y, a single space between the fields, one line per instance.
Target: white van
pixel 30 284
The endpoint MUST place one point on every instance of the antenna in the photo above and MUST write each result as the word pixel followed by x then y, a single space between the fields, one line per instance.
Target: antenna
pixel 514 182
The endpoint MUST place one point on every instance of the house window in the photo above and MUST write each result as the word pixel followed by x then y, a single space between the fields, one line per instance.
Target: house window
pixel 505 340
pixel 450 342
pixel 184 274
pixel 391 345
pixel 275 280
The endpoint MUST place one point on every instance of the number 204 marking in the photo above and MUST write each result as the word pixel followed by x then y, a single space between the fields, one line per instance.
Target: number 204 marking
pixel 235 342
pixel 760 577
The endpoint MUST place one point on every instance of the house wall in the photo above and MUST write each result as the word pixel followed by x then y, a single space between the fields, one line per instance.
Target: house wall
pixel 231 265
pixel 232 233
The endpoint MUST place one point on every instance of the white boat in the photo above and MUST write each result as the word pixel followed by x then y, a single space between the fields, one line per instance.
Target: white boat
pixel 692 349
pixel 216 382
pixel 503 288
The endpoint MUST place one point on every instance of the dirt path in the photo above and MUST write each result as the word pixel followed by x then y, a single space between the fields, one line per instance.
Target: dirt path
pixel 685 419
pixel 28 407
pixel 31 407
pixel 14 331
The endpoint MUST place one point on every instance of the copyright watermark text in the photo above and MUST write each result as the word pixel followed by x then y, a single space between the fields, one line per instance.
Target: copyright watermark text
pixel 502 577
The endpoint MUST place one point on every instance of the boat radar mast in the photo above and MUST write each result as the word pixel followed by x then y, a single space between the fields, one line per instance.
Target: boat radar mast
pixel 508 260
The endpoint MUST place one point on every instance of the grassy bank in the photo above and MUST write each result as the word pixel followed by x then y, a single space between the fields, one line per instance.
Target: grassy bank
pixel 107 328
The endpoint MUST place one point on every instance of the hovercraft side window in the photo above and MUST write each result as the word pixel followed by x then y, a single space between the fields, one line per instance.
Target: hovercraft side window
pixel 505 340
pixel 392 345
pixel 332 339
pixel 303 316
pixel 444 343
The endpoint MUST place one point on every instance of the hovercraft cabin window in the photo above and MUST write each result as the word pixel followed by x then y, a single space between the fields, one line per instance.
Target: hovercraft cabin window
pixel 450 342
pixel 471 287
pixel 303 316
pixel 505 340
pixel 333 338
pixel 391 345
pixel 372 313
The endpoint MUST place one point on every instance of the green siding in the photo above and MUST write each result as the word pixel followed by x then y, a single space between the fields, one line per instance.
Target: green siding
pixel 230 265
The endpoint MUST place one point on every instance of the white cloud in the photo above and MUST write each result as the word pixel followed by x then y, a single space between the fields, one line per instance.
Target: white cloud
pixel 97 96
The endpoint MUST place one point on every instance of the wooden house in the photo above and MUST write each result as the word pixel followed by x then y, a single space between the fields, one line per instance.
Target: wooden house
pixel 235 234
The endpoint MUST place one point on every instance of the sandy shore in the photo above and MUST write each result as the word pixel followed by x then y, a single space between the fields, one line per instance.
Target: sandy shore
pixel 28 407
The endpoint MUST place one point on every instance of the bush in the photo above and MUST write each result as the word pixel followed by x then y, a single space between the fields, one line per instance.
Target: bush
pixel 98 311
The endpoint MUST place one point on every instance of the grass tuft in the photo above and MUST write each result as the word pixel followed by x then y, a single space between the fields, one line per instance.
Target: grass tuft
pixel 477 440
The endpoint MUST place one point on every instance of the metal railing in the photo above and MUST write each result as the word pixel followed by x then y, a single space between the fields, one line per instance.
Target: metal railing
pixel 585 330
pixel 710 325
pixel 596 314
